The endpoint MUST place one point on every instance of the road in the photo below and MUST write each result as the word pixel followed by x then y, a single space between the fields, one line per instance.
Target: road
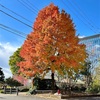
pixel 25 97
pixel 39 97
pixel 22 98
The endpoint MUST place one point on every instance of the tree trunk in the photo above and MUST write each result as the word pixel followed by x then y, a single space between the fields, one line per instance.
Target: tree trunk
pixel 53 82
pixel 87 81
pixel 69 86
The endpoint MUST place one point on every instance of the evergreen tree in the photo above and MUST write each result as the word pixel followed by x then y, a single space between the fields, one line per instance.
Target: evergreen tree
pixel 1 75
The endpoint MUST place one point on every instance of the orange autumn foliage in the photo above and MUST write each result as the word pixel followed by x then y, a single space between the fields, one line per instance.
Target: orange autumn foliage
pixel 52 44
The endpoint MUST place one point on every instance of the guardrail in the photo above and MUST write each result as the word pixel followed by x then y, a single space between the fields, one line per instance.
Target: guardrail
pixel 11 90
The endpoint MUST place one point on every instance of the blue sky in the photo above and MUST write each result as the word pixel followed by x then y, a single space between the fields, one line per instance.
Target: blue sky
pixel 85 15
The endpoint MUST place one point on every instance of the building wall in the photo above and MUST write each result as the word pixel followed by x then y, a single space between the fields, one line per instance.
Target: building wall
pixel 92 47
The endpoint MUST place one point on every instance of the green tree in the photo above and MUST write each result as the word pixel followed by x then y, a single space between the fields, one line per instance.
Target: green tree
pixel 87 72
pixel 11 82
pixel 97 75
pixel 14 59
pixel 95 85
pixel 1 75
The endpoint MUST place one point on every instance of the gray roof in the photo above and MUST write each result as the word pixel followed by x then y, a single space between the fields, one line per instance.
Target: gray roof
pixel 90 37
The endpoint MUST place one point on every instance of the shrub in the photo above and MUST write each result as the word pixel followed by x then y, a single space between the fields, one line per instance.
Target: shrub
pixel 24 90
pixel 93 89
pixel 11 82
pixel 1 91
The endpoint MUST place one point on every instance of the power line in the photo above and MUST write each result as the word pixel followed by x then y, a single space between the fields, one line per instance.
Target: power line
pixel 31 4
pixel 26 6
pixel 11 31
pixel 78 16
pixel 86 15
pixel 14 31
pixel 88 22
pixel 24 34
pixel 28 3
pixel 15 13
pixel 15 18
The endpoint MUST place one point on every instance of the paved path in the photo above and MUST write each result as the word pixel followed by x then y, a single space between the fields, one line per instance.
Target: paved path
pixel 28 97
pixel 40 97
pixel 22 98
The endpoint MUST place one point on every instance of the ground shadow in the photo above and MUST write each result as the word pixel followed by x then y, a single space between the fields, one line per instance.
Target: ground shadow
pixel 2 98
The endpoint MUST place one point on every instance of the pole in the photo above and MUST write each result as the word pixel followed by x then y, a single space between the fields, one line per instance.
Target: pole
pixel 17 91
pixel 10 90
pixel 4 89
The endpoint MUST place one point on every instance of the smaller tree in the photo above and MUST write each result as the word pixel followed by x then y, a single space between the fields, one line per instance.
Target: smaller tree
pixel 15 58
pixel 87 72
pixel 95 85
pixel 96 79
pixel 11 82
pixel 20 79
pixel 1 75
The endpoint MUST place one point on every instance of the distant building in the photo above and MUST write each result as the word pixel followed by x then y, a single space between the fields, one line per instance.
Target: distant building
pixel 92 47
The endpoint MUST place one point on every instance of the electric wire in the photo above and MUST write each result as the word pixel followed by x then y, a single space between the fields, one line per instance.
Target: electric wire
pixel 31 4
pixel 26 6
pixel 82 11
pixel 77 16
pixel 15 13
pixel 24 34
pixel 13 30
pixel 29 7
pixel 88 22
pixel 16 19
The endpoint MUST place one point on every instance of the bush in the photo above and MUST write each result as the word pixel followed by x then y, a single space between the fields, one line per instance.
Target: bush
pixel 63 86
pixel 44 84
pixel 94 89
pixel 32 91
pixel 11 82
pixel 24 90
pixel 83 89
pixel 1 91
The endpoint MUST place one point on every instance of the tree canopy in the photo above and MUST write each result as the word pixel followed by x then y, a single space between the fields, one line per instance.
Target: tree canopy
pixel 13 61
pixel 52 45
pixel 1 75
pixel 11 82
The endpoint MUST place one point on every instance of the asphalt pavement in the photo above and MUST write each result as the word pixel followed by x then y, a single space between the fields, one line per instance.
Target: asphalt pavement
pixel 23 96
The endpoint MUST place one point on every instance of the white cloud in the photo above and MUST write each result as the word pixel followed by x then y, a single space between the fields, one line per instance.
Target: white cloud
pixel 6 50
pixel 81 36
pixel 7 72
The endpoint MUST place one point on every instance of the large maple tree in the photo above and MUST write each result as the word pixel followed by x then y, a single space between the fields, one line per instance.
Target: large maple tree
pixel 52 45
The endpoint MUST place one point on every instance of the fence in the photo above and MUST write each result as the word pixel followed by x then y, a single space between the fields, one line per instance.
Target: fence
pixel 11 90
